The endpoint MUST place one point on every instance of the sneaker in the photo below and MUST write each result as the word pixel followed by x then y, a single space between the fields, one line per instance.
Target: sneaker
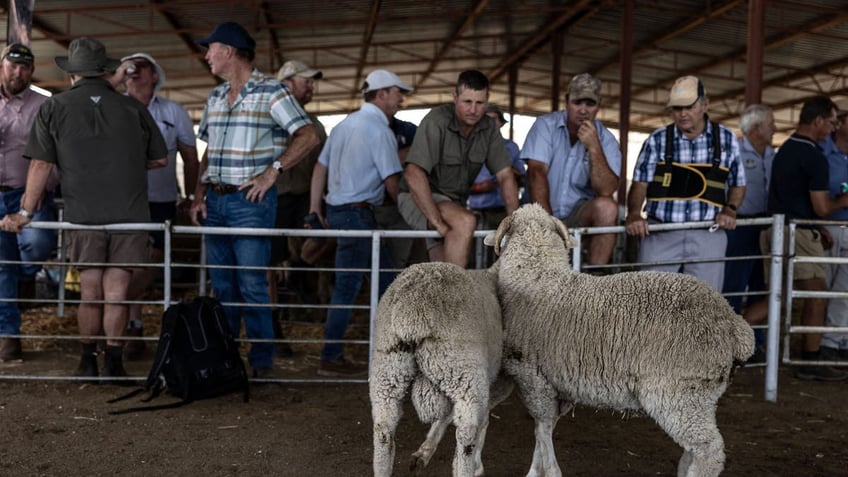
pixel 10 350
pixel 820 373
pixel 341 368
pixel 134 349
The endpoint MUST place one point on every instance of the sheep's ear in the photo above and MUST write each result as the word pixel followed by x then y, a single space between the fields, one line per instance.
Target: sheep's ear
pixel 497 241
pixel 562 230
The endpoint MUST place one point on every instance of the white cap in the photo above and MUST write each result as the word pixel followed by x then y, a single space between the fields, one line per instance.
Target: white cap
pixel 159 71
pixel 379 79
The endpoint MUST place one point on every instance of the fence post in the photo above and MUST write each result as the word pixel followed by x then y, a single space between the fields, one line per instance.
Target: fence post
pixel 774 298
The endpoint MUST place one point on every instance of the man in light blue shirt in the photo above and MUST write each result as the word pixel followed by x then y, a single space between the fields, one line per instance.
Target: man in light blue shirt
pixel 358 165
pixel 834 346
pixel 574 165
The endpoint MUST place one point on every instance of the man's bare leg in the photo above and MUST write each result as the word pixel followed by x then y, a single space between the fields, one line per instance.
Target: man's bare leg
pixel 115 285
pixel 458 239
pixel 90 315
pixel 600 212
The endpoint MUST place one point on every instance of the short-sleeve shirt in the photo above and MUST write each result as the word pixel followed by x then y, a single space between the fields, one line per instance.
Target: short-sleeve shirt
pixel 359 155
pixel 245 138
pixel 494 198
pixel 799 167
pixel 837 162
pixel 450 159
pixel 101 142
pixel 176 128
pixel 688 151
pixel 757 177
pixel 297 179
pixel 568 165
pixel 17 113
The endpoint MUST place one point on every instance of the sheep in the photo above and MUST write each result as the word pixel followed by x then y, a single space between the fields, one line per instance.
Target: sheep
pixel 660 343
pixel 438 327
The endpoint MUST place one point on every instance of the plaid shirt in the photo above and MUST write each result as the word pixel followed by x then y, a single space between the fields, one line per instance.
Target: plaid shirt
pixel 245 138
pixel 688 151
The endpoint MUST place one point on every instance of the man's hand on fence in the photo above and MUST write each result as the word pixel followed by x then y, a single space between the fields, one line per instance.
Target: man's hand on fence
pixel 14 223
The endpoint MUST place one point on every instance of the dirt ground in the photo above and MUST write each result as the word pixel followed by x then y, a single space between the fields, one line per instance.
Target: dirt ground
pixel 61 428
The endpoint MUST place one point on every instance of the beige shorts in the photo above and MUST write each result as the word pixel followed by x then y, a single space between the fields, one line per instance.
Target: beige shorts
pixel 807 244
pixel 574 219
pixel 414 217
pixel 100 246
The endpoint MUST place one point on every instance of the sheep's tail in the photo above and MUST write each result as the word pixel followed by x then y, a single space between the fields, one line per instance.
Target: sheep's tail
pixel 743 339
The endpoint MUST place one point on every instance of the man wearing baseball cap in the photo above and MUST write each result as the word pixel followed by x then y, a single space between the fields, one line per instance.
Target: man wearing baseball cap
pixel 255 129
pixel 688 171
pixel 574 165
pixel 358 166
pixel 18 108
pixel 452 143
pixel 144 77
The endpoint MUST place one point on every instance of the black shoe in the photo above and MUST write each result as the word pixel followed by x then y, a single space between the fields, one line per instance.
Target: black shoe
pixel 113 365
pixel 10 350
pixel 88 368
pixel 134 349
pixel 759 356
pixel 820 373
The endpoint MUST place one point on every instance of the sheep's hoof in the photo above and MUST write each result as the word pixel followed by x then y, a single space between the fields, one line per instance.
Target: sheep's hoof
pixel 417 464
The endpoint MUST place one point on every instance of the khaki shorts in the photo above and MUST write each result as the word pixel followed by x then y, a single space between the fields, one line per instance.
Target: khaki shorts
pixel 807 244
pixel 574 218
pixel 413 215
pixel 100 246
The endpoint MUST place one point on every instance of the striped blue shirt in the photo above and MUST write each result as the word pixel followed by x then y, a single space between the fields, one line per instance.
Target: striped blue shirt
pixel 688 151
pixel 245 138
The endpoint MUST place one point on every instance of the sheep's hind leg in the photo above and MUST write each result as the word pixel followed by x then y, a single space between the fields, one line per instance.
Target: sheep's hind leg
pixel 470 418
pixel 391 376
pixel 422 456
pixel 690 421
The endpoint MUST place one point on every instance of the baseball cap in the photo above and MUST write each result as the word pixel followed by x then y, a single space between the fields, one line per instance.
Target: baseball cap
pixel 493 108
pixel 232 34
pixel 584 86
pixel 686 90
pixel 297 68
pixel 153 62
pixel 379 79
pixel 18 53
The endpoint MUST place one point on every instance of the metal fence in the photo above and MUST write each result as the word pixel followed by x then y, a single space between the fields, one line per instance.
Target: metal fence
pixel 776 279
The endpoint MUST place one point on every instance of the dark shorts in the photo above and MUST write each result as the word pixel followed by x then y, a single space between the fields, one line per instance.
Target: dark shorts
pixel 291 209
pixel 99 246
pixel 160 212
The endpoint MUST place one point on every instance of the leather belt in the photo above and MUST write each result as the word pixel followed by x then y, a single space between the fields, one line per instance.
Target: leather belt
pixel 6 188
pixel 224 189
pixel 358 205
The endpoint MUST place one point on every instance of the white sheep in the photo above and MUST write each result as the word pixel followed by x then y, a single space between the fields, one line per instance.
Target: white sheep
pixel 438 327
pixel 662 343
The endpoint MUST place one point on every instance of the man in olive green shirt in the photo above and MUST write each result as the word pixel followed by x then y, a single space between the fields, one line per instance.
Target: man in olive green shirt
pixel 451 145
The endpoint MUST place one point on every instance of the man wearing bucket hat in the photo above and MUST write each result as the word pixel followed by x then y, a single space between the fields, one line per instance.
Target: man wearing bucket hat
pixel 358 165
pixel 254 129
pixel 143 79
pixel 18 107
pixel 574 165
pixel 451 145
pixel 102 143
pixel 688 171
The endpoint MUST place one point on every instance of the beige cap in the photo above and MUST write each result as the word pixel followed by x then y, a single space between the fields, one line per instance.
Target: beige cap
pixel 298 68
pixel 686 90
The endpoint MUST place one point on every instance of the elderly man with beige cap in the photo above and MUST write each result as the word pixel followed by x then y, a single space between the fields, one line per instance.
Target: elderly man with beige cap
pixel 688 171
pixel 574 165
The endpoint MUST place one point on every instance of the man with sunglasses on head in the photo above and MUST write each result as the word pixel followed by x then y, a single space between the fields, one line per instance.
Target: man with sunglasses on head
pixel 688 171
pixel 144 78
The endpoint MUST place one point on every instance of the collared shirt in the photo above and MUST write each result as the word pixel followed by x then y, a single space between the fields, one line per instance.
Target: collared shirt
pixel 568 165
pixel 245 138
pixel 176 127
pixel 297 179
pixel 757 177
pixel 101 142
pixel 450 159
pixel 799 167
pixel 359 155
pixel 688 151
pixel 17 114
pixel 486 200
pixel 837 162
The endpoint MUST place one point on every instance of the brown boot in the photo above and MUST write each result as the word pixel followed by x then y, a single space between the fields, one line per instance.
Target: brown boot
pixel 10 350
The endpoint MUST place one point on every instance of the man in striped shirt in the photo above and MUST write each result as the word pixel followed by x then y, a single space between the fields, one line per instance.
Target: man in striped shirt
pixel 254 129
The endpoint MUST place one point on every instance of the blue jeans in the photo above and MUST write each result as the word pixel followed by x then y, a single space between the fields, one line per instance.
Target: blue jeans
pixel 742 275
pixel 34 245
pixel 241 285
pixel 350 253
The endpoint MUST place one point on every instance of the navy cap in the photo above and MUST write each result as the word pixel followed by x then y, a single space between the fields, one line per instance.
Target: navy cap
pixel 232 34
pixel 17 53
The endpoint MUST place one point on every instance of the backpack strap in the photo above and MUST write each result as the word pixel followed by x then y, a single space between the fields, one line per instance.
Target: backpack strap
pixel 157 407
pixel 669 144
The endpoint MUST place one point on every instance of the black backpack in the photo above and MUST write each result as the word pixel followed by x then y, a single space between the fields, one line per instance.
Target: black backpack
pixel 196 358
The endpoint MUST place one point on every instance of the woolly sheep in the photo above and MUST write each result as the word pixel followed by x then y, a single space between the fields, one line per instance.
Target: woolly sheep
pixel 661 343
pixel 438 327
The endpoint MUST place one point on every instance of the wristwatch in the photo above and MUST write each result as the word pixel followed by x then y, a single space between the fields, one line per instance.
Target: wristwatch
pixel 23 213
pixel 278 166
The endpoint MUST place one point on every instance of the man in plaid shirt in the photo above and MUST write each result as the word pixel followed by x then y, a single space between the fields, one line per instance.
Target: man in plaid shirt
pixel 709 187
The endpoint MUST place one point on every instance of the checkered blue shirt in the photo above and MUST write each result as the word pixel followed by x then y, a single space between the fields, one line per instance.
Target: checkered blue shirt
pixel 245 138
pixel 688 151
